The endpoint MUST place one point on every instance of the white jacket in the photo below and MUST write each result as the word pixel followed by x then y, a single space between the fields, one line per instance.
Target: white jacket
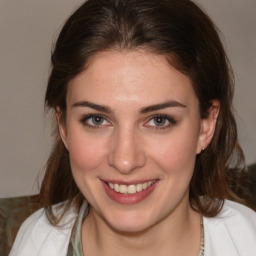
pixel 231 233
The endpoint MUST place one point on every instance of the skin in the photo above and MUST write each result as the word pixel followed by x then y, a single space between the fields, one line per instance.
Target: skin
pixel 127 145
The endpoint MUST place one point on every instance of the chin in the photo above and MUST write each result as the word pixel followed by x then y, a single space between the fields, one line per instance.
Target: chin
pixel 129 227
pixel 129 221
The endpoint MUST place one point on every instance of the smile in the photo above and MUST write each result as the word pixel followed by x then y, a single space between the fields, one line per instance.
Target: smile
pixel 129 193
pixel 130 189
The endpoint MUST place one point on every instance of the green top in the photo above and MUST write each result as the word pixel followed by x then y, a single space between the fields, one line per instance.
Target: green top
pixel 75 245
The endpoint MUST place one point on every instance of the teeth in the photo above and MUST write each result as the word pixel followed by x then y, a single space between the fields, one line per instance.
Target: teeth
pixel 139 187
pixel 116 187
pixel 144 185
pixel 130 189
pixel 122 189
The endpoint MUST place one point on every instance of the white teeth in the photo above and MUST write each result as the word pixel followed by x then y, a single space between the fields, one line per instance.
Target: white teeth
pixel 116 187
pixel 130 189
pixel 122 189
pixel 139 187
pixel 144 185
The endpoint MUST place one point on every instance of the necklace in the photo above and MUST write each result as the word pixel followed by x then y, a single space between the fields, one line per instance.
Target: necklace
pixel 75 246
pixel 201 251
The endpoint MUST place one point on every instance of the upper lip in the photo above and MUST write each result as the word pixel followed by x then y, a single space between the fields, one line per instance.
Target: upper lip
pixel 127 183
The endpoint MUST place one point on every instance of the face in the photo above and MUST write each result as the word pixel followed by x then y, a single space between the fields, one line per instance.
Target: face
pixel 133 131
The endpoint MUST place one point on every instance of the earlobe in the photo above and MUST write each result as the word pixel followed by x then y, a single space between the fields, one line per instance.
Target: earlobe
pixel 61 126
pixel 208 126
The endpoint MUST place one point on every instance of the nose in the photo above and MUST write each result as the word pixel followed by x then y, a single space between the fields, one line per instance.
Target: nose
pixel 126 152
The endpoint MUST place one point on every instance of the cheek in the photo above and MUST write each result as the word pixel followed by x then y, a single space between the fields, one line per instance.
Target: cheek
pixel 176 154
pixel 85 153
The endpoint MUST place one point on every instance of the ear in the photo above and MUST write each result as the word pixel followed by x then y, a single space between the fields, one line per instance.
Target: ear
pixel 208 126
pixel 61 126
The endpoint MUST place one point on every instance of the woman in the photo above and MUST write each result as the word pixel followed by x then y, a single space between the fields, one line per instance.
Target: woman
pixel 142 158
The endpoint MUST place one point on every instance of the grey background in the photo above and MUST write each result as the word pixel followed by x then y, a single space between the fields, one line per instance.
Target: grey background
pixel 27 30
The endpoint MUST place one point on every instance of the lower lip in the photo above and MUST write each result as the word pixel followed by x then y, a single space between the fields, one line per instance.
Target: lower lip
pixel 128 198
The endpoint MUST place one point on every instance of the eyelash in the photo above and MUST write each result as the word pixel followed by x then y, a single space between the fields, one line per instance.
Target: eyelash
pixel 171 121
pixel 85 119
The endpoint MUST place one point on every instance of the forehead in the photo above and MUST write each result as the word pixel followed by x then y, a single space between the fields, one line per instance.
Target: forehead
pixel 130 76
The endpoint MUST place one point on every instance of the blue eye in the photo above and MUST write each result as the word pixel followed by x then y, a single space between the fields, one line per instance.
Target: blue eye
pixel 95 121
pixel 161 121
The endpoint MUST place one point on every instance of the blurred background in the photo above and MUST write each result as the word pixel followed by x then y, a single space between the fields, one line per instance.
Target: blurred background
pixel 28 28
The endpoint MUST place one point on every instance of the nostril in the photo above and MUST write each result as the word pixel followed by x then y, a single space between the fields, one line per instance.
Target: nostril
pixel 126 154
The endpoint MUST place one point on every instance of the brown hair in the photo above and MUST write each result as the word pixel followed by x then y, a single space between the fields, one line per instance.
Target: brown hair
pixel 177 29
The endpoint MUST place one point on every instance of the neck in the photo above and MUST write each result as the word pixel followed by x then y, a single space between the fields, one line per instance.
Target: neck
pixel 176 234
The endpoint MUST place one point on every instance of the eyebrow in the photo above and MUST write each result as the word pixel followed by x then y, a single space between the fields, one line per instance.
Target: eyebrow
pixel 88 104
pixel 160 106
pixel 143 110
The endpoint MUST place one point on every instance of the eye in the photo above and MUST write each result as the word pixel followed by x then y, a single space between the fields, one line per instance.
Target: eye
pixel 161 122
pixel 95 121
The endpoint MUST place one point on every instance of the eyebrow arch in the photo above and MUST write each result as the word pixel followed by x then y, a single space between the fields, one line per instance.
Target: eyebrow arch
pixel 143 110
pixel 160 106
pixel 97 107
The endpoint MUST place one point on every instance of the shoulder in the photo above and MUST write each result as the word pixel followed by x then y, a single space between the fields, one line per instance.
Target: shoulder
pixel 232 230
pixel 37 236
pixel 235 213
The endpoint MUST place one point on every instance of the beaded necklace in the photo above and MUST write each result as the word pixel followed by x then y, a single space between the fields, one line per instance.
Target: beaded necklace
pixel 201 251
pixel 75 245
